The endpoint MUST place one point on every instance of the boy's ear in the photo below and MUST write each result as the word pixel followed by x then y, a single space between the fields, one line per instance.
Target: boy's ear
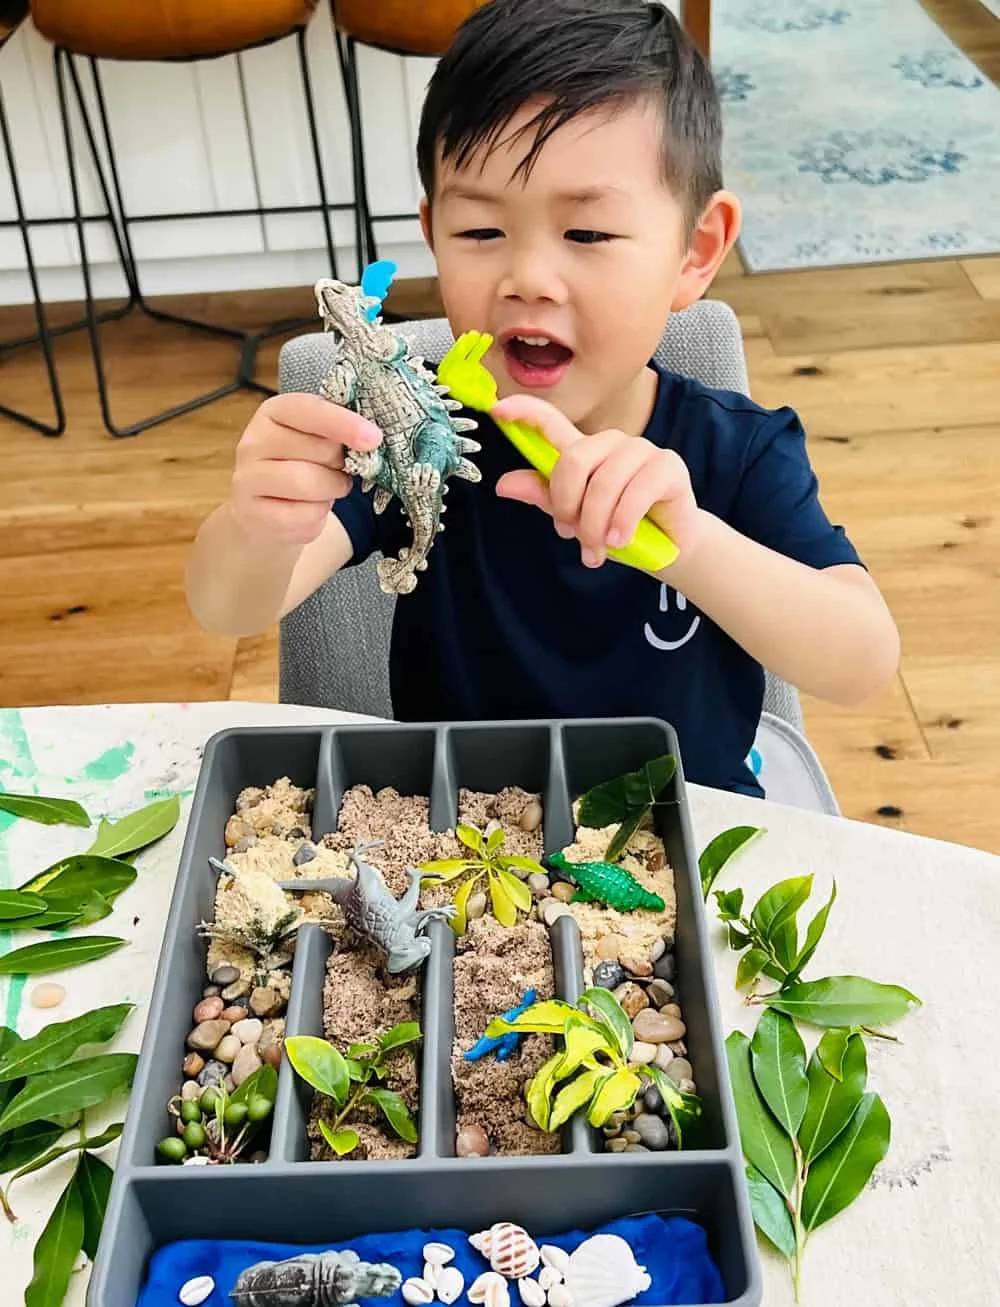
pixel 425 222
pixel 712 239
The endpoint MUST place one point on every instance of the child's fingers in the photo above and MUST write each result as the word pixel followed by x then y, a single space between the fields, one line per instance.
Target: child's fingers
pixel 660 481
pixel 317 416
pixel 546 418
pixel 569 482
pixel 528 487
pixel 626 463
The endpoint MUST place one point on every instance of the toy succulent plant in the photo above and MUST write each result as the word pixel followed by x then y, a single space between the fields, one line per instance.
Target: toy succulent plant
pixel 508 894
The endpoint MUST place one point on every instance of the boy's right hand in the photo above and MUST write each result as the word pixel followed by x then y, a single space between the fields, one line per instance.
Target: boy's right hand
pixel 289 466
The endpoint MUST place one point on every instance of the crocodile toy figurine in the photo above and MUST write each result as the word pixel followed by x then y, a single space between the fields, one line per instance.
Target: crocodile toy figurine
pixel 502 1045
pixel 422 443
pixel 608 883
pixel 396 926
pixel 327 1279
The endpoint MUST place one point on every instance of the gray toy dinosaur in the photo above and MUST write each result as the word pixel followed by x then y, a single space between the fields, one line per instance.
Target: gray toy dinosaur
pixel 422 444
pixel 394 925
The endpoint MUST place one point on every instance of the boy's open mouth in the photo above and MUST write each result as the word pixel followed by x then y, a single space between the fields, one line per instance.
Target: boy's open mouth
pixel 536 361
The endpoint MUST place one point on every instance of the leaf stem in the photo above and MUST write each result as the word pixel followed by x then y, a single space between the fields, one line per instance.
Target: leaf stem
pixel 351 1103
pixel 800 1234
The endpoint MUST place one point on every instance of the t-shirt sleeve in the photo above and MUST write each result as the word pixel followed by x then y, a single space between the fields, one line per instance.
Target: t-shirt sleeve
pixel 777 499
pixel 357 516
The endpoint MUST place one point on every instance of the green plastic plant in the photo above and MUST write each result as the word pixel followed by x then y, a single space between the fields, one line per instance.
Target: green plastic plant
pixel 347 1080
pixel 591 1071
pixel 626 800
pixel 508 894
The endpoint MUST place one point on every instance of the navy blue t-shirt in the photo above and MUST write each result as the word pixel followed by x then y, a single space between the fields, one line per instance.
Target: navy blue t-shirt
pixel 507 622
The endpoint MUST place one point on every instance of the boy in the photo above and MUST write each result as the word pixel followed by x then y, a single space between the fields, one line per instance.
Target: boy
pixel 570 156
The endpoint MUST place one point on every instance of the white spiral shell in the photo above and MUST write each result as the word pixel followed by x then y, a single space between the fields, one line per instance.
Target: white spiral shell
pixel 510 1249
pixel 603 1272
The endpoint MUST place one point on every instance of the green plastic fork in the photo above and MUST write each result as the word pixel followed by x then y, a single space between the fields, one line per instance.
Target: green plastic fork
pixel 469 381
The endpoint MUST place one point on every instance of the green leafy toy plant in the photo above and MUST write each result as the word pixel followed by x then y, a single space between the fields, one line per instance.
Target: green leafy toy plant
pixel 348 1081
pixel 508 894
pixel 626 800
pixel 592 1072
pixel 220 1125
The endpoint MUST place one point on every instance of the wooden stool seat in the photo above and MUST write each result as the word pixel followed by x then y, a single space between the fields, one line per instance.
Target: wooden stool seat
pixel 403 26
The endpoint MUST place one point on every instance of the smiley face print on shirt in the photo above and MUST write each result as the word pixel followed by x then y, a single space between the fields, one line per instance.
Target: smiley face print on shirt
pixel 672 632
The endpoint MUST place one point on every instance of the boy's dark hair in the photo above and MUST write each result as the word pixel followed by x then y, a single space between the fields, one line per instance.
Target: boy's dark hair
pixel 577 55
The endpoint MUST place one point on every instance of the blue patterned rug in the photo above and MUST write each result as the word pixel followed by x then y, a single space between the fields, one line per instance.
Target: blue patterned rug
pixel 856 132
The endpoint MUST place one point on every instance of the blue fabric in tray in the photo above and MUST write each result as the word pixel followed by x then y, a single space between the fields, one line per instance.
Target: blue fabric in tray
pixel 673 1250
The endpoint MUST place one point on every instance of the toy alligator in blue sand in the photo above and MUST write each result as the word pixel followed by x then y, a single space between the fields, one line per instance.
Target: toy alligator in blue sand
pixel 606 882
pixel 502 1045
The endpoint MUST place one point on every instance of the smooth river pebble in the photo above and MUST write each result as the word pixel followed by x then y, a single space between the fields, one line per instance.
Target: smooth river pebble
pixel 655 1028
pixel 47 995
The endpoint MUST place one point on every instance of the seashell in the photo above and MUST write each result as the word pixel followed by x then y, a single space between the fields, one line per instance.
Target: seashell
pixel 558 1258
pixel 431 1273
pixel 510 1248
pixel 417 1291
pixel 450 1283
pixel 531 1291
pixel 438 1254
pixel 549 1276
pixel 489 1288
pixel 195 1291
pixel 560 1296
pixel 604 1273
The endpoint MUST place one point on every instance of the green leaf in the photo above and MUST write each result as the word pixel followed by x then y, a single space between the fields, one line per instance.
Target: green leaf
pixel 57 1249
pixel 138 829
pixel 495 842
pixel 9 1041
pixel 102 1140
pixel 615 800
pixel 576 1094
pixel 774 916
pixel 443 870
pixel 68 882
pixel 521 864
pixel 615 1094
pixel 841 1172
pixel 685 1109
pixel 832 1102
pixel 737 939
pixel 844 1001
pixel 719 852
pixel 57 954
pixel 750 967
pixel 14 903
pixel 341 1141
pixel 55 1044
pixel 548 1017
pixel 93 1180
pixel 460 920
pixel 539 1088
pixel 320 1065
pixel 95 907
pixel 832 1047
pixel 503 905
pixel 814 934
pixel 582 1041
pixel 765 1144
pixel 619 841
pixel 470 837
pixel 730 904
pixel 770 1213
pixel 50 812
pixel 517 891
pixel 263 1081
pixel 44 921
pixel 612 1015
pixel 72 1088
pixel 407 1032
pixel 779 1068
pixel 396 1113
pixel 26 1142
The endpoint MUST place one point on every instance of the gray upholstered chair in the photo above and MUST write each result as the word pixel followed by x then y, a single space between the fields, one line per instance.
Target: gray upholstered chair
pixel 334 646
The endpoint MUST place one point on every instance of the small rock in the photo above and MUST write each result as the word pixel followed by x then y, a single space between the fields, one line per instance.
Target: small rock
pixel 210 991
pixel 208 1009
pixel 665 967
pixel 194 1292
pixel 678 1048
pixel 233 1013
pixel 616 1146
pixel 236 990
pixel 637 1148
pixel 303 854
pixel 249 1030
pixel 664 1056
pixel 687 1086
pixel 608 975
pixel 246 1063
pixel 652 1100
pixel 658 950
pixel 563 891
pixel 659 992
pixel 538 884
pixel 611 1131
pixel 227 1048
pixel 531 817
pixel 205 1036
pixel 236 830
pixel 229 1084
pixel 632 998
pixel 652 1132
pixel 550 910
pixel 609 946
pixel 213 1073
pixel 265 1002
pixel 225 975
pixel 472 1141
pixel 193 1064
pixel 190 1089
pixel 269 1046
pixel 678 1069
pixel 296 833
pixel 632 1136
pixel 642 1053
pixel 618 1118
pixel 655 1028
pixel 247 842
pixel 670 1009
pixel 635 964
pixel 476 906
pixel 48 994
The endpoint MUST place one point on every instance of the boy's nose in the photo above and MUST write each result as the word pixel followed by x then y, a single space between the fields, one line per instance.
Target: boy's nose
pixel 532 276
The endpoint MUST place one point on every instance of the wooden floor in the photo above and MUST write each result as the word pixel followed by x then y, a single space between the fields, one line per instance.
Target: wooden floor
pixel 894 369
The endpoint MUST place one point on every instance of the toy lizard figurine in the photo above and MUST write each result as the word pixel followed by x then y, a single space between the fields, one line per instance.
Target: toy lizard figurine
pixel 422 446
pixel 502 1045
pixel 606 882
pixel 393 925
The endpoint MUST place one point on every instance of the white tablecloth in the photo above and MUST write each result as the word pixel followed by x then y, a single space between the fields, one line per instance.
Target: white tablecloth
pixel 910 911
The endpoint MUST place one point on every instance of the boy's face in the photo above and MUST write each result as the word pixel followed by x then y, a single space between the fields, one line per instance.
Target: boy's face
pixel 574 270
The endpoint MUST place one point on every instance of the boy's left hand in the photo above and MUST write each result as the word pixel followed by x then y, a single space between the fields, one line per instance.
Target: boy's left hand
pixel 602 485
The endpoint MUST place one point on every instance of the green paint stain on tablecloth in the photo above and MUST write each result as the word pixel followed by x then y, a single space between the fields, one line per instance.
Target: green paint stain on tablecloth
pixel 19 772
pixel 112 764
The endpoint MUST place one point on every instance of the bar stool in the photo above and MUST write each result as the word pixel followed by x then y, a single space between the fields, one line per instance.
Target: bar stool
pixel 174 31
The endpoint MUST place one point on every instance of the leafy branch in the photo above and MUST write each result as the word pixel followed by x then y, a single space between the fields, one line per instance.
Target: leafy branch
pixel 347 1080
pixel 508 894
pixel 626 801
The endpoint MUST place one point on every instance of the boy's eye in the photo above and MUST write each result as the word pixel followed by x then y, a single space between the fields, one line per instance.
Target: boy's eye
pixel 588 237
pixel 480 234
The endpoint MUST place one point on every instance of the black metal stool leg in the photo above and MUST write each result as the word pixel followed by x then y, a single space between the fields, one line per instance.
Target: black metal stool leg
pixel 364 229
